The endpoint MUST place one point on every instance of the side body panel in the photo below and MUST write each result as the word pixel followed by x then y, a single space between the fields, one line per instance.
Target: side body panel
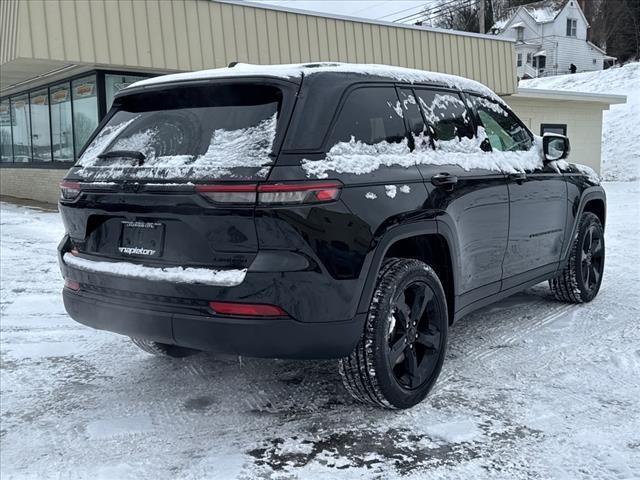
pixel 537 220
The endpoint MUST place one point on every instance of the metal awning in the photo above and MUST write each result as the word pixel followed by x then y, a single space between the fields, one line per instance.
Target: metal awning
pixel 517 25
pixel 541 53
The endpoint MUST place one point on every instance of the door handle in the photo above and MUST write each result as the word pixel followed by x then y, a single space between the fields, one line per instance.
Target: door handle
pixel 444 180
pixel 518 177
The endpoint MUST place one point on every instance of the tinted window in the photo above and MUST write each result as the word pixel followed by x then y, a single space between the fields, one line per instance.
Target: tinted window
pixel 40 125
pixel 21 128
pixel 61 122
pixel 85 109
pixel 370 115
pixel 421 133
pixel 6 150
pixel 446 113
pixel 504 131
pixel 189 131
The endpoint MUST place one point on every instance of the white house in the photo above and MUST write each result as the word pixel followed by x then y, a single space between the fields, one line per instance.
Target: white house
pixel 551 35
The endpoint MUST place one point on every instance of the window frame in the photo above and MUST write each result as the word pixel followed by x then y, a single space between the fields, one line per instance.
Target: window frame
pixel 561 126
pixel 476 119
pixel 519 34
pixel 519 60
pixel 460 94
pixel 572 27
pixel 102 112
pixel 325 146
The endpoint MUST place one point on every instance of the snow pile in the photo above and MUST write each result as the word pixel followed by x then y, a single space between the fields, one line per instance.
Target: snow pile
pixel 360 158
pixel 228 149
pixel 204 276
pixel 391 191
pixel 620 124
pixel 297 70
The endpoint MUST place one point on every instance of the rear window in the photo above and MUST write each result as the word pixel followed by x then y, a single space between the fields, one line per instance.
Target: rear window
pixel 205 132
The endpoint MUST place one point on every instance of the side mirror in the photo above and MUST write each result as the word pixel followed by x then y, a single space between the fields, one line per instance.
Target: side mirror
pixel 555 147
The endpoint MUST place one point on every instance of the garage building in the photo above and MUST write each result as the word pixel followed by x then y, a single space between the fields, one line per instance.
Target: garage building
pixel 62 61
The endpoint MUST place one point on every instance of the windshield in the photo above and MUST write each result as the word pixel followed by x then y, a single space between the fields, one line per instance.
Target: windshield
pixel 210 132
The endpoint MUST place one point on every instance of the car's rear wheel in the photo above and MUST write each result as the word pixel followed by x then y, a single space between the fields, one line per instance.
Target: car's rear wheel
pixel 162 349
pixel 400 353
pixel 580 280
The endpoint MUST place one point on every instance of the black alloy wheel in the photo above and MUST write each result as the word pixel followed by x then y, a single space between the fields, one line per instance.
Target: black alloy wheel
pixel 592 257
pixel 580 280
pixel 413 341
pixel 402 348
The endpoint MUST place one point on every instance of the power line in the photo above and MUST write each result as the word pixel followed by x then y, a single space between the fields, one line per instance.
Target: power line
pixel 401 11
pixel 442 9
pixel 426 11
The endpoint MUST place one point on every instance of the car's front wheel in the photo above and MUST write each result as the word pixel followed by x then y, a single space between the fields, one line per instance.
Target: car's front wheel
pixel 581 278
pixel 400 353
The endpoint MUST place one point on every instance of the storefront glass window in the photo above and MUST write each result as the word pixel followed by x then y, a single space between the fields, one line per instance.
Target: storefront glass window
pixel 85 109
pixel 114 83
pixel 6 154
pixel 61 126
pixel 21 128
pixel 40 126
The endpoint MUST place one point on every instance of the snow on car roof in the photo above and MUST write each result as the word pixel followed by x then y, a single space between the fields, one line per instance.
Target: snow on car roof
pixel 292 71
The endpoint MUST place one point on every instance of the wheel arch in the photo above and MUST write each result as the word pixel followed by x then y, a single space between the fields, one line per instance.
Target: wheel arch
pixel 431 242
pixel 597 207
pixel 593 200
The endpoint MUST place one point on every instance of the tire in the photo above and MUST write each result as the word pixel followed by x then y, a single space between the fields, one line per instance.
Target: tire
pixel 580 280
pixel 162 349
pixel 379 370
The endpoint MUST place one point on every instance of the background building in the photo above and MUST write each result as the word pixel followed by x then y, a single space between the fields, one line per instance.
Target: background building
pixel 550 36
pixel 61 63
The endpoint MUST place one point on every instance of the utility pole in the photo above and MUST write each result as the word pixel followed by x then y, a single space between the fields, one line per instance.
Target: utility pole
pixel 481 15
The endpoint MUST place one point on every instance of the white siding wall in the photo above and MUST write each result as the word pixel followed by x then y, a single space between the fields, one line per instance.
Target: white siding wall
pixel 583 120
pixel 559 26
pixel 561 50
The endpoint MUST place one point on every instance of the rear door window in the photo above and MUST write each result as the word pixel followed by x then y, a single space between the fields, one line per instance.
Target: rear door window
pixel 369 115
pixel 446 113
pixel 504 131
pixel 224 131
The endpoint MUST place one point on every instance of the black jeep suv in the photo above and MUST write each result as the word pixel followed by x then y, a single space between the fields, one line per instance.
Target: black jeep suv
pixel 320 211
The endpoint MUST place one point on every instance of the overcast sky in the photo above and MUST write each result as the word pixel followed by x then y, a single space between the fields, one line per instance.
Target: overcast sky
pixel 388 10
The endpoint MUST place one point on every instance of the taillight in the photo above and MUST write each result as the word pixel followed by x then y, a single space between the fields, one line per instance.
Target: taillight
pixel 247 309
pixel 229 193
pixel 71 284
pixel 308 192
pixel 273 193
pixel 69 190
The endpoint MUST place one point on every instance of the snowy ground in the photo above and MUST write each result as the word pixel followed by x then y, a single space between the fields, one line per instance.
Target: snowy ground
pixel 620 124
pixel 531 388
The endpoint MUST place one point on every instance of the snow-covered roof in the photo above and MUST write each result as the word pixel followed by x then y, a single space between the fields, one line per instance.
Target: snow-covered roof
pixel 295 71
pixel 543 11
pixel 609 99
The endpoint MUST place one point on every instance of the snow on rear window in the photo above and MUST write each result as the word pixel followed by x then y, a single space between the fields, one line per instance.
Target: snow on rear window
pixel 188 137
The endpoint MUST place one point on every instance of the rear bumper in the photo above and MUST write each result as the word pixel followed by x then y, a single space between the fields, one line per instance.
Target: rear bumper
pixel 253 337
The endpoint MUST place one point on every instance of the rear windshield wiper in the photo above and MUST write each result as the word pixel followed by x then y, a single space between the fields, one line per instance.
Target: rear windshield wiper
pixel 124 154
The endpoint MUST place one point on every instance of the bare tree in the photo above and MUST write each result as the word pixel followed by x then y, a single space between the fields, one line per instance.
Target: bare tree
pixel 615 24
